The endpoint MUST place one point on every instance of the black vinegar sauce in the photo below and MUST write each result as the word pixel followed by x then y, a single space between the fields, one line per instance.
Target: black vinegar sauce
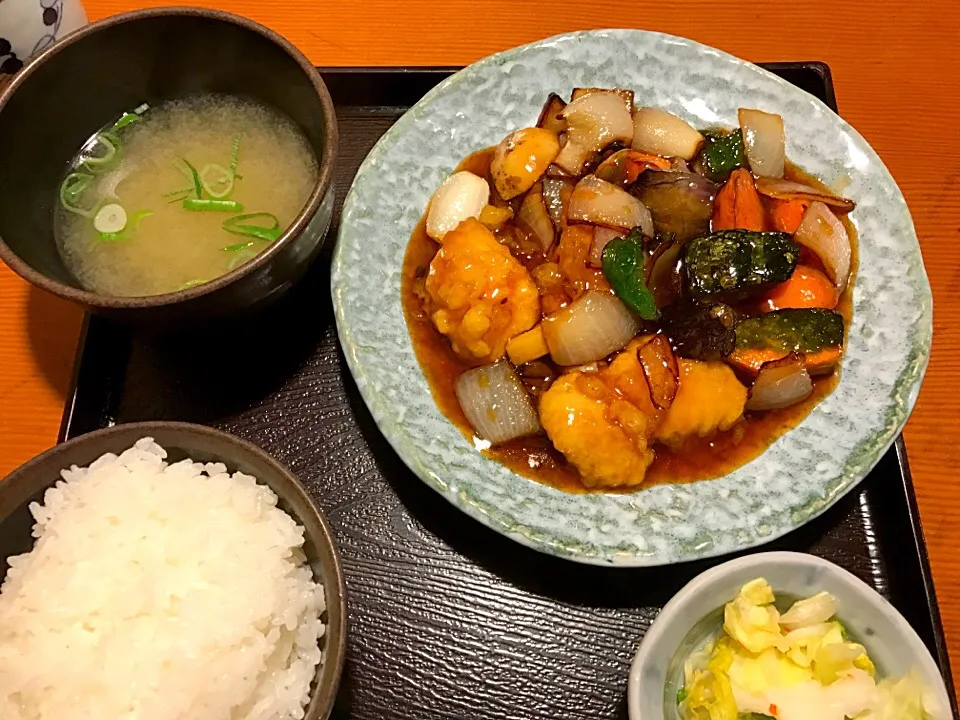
pixel 535 457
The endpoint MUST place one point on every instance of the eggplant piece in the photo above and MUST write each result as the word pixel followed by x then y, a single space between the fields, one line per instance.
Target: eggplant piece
pixel 701 332
pixel 681 202
pixel 738 263
pixel 550 118
pixel 813 333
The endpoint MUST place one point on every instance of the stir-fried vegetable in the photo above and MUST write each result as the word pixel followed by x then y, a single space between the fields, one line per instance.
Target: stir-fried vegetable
pixel 662 292
pixel 463 195
pixel 816 334
pixel 722 154
pixel 823 233
pixel 781 189
pixel 589 329
pixel 779 384
pixel 806 288
pixel 602 203
pixel 623 261
pixel 738 262
pixel 593 121
pixel 660 369
pixel 661 133
pixel 534 217
pixel 664 278
pixel 764 142
pixel 680 202
pixel 625 166
pixel 495 403
pixel 556 198
pixel 602 237
pixel 702 332
pixel 738 205
pixel 551 117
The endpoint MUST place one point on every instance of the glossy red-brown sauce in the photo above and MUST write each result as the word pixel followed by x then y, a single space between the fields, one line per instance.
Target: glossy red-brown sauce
pixel 535 457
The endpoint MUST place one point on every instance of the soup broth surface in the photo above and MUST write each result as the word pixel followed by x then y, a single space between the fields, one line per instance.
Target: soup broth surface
pixel 165 246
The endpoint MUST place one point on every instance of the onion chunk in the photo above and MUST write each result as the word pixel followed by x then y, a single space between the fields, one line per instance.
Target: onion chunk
pixel 463 195
pixel 496 404
pixel 589 329
pixel 661 133
pixel 593 122
pixel 780 383
pixel 822 232
pixel 764 142
pixel 601 203
pixel 781 189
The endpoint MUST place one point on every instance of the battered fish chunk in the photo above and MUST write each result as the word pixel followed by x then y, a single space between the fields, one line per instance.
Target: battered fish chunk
pixel 603 422
pixel 478 295
pixel 710 399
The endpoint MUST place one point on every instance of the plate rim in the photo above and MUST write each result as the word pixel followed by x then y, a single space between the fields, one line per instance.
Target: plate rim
pixel 906 386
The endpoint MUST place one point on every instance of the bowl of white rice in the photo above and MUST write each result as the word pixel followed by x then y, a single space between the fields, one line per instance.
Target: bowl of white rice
pixel 166 571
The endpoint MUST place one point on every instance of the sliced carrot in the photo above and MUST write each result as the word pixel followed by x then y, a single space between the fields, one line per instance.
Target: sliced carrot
pixel 787 214
pixel 637 162
pixel 823 361
pixel 738 205
pixel 806 288
pixel 750 360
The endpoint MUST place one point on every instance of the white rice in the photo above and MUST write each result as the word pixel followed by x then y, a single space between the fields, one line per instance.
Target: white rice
pixel 159 592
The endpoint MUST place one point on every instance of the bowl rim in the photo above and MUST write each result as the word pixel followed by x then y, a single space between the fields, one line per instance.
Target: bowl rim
pixel 336 625
pixel 687 595
pixel 323 182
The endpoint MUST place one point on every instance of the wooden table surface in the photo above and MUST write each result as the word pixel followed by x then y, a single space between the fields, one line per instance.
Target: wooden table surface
pixel 891 63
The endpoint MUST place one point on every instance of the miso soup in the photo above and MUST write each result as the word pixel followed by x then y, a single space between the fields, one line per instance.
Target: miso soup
pixel 172 196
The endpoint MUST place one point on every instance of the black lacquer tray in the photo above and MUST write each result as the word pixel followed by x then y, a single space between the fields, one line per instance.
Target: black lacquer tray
pixel 448 619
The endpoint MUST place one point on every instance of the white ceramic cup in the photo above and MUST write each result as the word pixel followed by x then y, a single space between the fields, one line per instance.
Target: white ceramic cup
pixel 28 27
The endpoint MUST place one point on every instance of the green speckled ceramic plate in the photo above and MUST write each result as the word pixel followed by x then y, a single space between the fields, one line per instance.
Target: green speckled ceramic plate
pixel 801 474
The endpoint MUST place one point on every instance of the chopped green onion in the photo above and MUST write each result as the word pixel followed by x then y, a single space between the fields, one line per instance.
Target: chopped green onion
pixel 216 180
pixel 125 119
pixel 240 257
pixel 243 221
pixel 112 137
pixel 235 154
pixel 112 236
pixel 138 216
pixel 111 218
pixel 682 694
pixel 190 284
pixel 214 205
pixel 71 188
pixel 97 163
pixel 240 246
pixel 239 226
pixel 195 177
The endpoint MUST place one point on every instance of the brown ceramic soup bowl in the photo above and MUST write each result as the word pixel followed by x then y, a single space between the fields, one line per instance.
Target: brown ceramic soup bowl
pixel 89 78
